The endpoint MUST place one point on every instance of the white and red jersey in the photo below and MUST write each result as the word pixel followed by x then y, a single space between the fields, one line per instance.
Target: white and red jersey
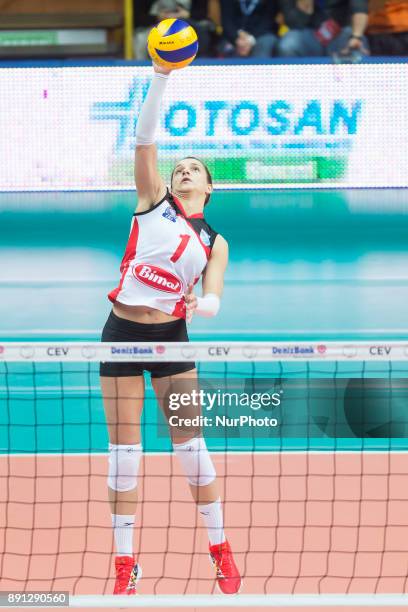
pixel 166 251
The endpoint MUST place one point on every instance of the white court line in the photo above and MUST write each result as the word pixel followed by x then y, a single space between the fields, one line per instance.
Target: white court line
pixel 23 332
pixel 215 332
pixel 321 186
pixel 49 389
pixel 237 601
pixel 223 453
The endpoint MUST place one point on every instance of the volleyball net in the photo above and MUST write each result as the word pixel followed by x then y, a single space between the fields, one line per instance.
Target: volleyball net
pixel 309 442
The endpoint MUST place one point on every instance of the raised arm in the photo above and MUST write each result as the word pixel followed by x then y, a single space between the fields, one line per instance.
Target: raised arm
pixel 213 283
pixel 149 184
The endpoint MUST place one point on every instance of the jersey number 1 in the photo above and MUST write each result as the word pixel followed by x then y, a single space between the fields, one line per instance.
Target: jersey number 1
pixel 181 247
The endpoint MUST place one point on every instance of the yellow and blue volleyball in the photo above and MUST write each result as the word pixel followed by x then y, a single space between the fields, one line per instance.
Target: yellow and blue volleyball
pixel 172 43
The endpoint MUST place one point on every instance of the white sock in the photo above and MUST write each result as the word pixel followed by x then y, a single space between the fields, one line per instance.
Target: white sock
pixel 213 519
pixel 123 525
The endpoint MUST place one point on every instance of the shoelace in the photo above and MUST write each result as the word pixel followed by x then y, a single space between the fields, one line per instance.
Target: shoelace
pixel 223 564
pixel 226 564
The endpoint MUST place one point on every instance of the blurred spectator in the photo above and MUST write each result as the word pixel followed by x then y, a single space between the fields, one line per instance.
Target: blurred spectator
pixel 150 12
pixel 249 28
pixel 388 27
pixel 324 27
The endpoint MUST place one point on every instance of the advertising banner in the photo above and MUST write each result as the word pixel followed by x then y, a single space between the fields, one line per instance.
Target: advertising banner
pixel 255 126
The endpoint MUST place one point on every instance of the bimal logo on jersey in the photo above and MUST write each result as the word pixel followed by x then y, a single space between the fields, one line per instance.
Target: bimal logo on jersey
pixel 157 278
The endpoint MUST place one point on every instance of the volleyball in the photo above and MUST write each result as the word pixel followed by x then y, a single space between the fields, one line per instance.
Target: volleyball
pixel 172 43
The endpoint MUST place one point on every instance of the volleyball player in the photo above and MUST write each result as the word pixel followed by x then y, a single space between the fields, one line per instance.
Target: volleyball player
pixel 170 247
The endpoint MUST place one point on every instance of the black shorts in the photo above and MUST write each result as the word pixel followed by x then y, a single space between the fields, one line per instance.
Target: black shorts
pixel 122 330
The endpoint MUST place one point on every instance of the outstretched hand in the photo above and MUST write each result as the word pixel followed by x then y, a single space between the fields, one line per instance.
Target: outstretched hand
pixel 191 302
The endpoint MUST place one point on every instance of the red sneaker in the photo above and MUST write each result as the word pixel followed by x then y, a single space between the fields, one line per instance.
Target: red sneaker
pixel 228 577
pixel 128 573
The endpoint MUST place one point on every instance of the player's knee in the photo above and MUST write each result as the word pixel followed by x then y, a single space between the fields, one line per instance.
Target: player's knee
pixel 124 461
pixel 196 461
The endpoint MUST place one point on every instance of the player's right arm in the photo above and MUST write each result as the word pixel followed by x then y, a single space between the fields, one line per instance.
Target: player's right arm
pixel 149 184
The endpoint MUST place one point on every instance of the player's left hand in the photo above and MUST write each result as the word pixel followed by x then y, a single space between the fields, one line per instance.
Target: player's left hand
pixel 191 302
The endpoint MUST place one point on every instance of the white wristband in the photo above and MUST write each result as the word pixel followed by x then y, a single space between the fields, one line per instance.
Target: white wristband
pixel 149 115
pixel 208 306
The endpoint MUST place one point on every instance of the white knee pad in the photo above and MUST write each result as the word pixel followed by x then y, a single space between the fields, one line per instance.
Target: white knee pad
pixel 124 461
pixel 196 461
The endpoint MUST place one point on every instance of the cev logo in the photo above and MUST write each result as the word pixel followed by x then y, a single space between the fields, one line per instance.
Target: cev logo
pixel 57 351
pixel 218 351
pixel 380 350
